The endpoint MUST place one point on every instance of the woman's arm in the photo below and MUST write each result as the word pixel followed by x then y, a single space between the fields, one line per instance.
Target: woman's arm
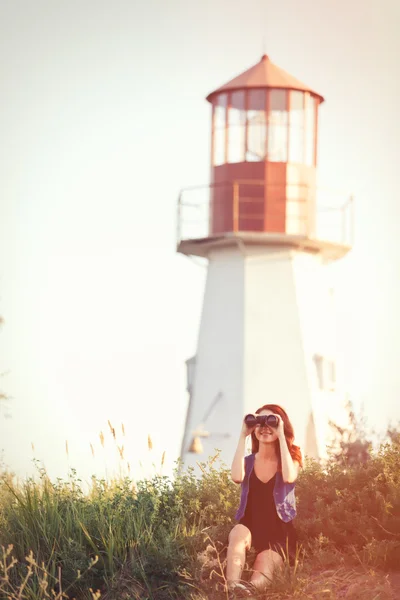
pixel 290 467
pixel 237 469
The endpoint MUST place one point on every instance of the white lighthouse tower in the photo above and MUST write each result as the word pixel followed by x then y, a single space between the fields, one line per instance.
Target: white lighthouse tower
pixel 267 332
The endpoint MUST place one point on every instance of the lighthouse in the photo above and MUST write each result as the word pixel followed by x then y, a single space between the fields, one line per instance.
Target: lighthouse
pixel 267 330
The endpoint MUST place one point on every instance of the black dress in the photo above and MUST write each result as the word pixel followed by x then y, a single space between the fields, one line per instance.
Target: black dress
pixel 266 527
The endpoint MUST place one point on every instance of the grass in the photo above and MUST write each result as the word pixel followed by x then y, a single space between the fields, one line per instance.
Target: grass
pixel 165 537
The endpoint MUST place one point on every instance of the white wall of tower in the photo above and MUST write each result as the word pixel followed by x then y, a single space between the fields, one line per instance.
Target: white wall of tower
pixel 219 357
pixel 275 361
pixel 267 314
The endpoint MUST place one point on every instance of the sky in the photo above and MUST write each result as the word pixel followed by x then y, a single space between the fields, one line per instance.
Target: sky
pixel 103 121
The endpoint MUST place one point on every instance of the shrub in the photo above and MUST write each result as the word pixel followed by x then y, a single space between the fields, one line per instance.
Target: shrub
pixel 166 537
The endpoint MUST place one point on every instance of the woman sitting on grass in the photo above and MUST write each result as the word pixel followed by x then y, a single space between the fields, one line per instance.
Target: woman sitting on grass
pixel 267 504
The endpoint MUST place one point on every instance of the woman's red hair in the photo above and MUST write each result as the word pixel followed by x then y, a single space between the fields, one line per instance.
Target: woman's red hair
pixel 294 450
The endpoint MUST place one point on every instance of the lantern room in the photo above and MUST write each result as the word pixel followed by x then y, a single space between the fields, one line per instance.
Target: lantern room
pixel 264 153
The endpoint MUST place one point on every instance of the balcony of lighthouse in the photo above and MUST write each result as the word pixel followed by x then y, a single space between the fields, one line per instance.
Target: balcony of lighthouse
pixel 221 214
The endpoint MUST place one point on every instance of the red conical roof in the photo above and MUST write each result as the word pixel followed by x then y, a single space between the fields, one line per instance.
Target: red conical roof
pixel 264 75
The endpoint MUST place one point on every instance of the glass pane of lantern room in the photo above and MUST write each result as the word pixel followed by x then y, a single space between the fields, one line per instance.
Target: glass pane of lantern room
pixel 256 126
pixel 219 127
pixel 237 128
pixel 296 128
pixel 310 109
pixel 277 126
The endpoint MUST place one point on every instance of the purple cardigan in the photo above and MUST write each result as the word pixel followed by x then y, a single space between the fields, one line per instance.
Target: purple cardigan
pixel 285 500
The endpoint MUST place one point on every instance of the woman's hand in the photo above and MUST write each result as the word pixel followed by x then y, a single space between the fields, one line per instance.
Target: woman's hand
pixel 280 430
pixel 246 430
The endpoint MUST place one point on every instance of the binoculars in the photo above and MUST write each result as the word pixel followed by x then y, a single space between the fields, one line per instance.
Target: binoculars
pixel 253 420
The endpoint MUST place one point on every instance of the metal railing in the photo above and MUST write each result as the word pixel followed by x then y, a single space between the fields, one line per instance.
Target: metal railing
pixel 331 218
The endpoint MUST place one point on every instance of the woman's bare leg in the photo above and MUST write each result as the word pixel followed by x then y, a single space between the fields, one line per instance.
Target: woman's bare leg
pixel 239 542
pixel 264 566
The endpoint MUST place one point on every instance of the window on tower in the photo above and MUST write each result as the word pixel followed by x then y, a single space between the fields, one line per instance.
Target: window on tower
pixel 256 146
pixel 219 127
pixel 236 127
pixel 296 127
pixel 277 126
pixel 255 125
pixel 190 373
pixel 310 123
pixel 326 372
